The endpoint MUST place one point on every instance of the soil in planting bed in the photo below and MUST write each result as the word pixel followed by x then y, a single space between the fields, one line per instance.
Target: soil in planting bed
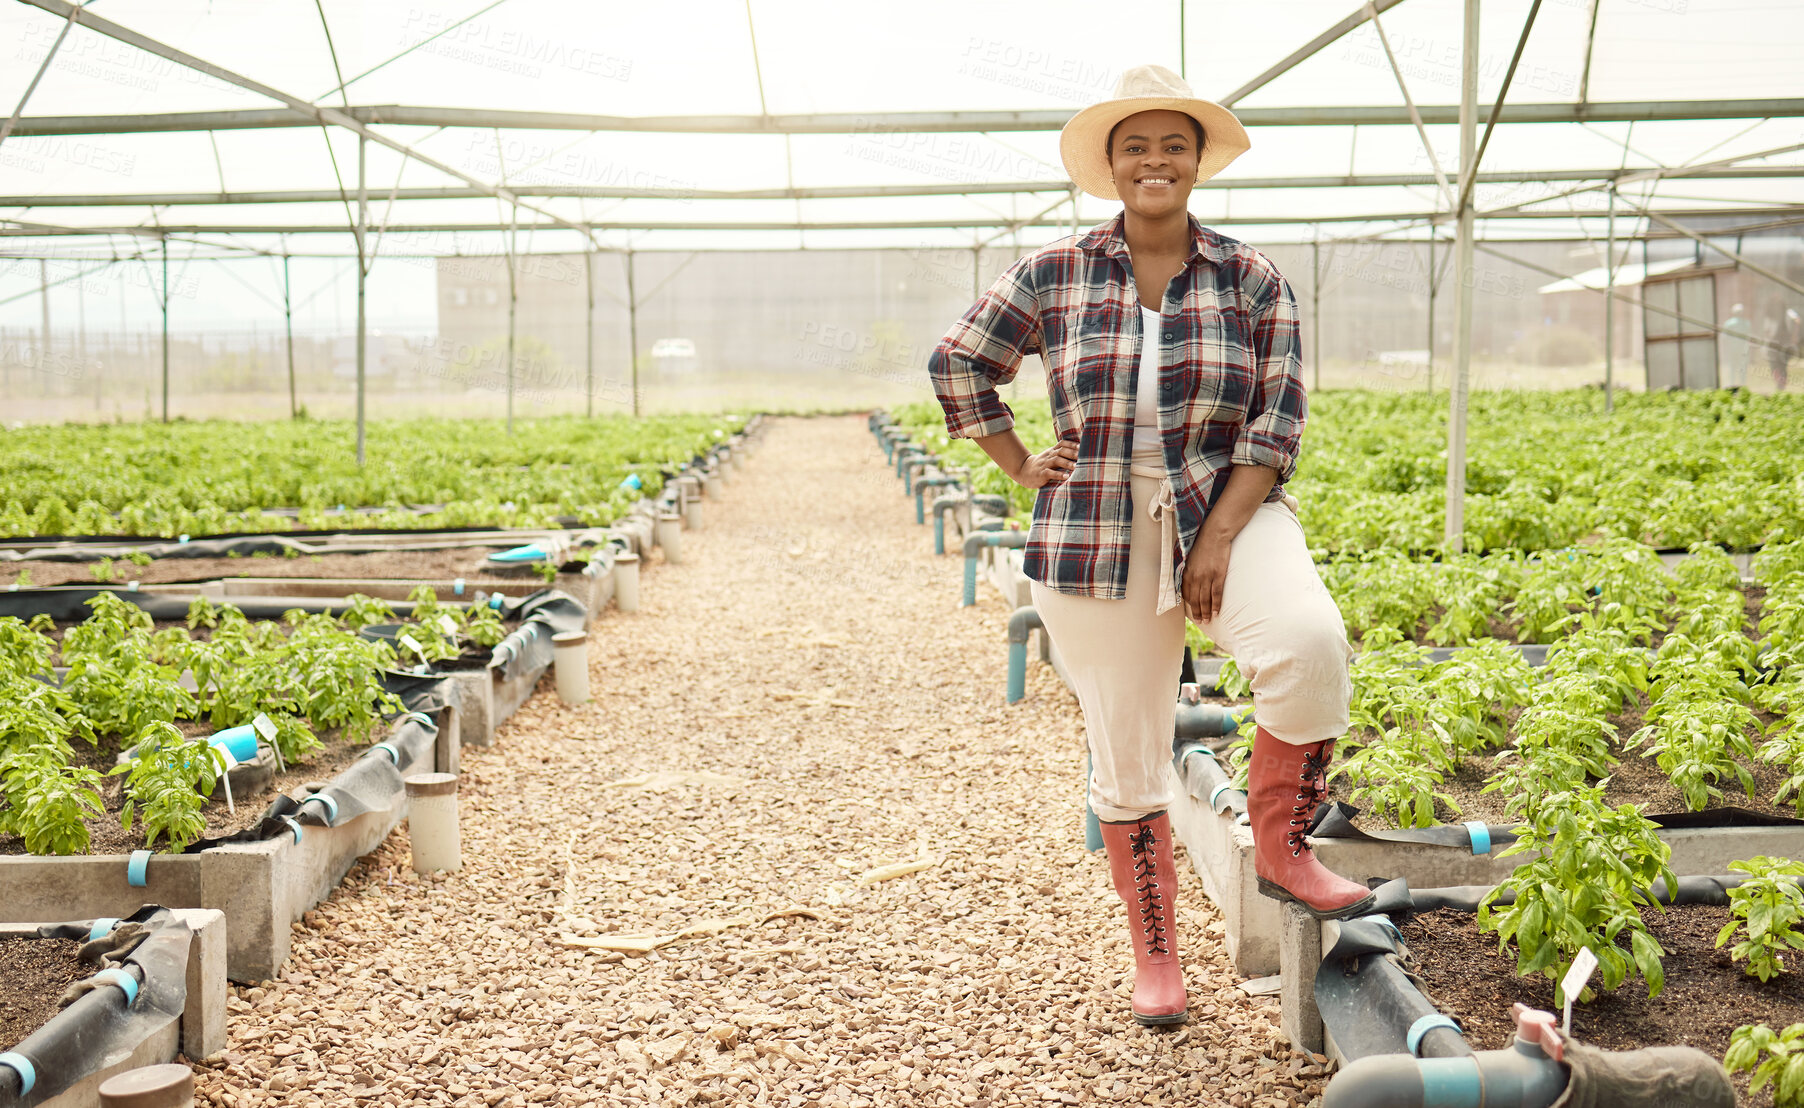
pixel 466 562
pixel 1707 996
pixel 105 836
pixel 33 974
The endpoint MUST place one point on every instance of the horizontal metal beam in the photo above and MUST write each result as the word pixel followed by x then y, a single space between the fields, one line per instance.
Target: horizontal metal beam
pixel 306 114
pixel 20 228
pixel 229 252
pixel 848 192
pixel 839 123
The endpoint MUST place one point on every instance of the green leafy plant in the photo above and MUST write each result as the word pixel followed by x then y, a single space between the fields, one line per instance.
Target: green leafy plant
pixel 1594 868
pixel 1767 906
pixel 483 625
pixel 47 800
pixel 367 610
pixel 168 783
pixel 1774 1058
pixel 26 648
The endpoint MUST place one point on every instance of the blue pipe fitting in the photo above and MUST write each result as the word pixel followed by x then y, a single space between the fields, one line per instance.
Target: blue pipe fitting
pixel 28 1073
pixel 908 455
pixel 1519 1076
pixel 1092 826
pixel 941 506
pixel 1024 622
pixel 122 978
pixel 915 468
pixel 921 488
pixel 326 802
pixel 1008 540
pixel 137 869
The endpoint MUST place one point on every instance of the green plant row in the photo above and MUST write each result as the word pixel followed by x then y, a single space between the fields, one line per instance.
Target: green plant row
pixel 213 477
pixel 1544 470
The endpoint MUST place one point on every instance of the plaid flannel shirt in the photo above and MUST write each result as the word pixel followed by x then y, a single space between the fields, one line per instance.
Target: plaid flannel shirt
pixel 1231 390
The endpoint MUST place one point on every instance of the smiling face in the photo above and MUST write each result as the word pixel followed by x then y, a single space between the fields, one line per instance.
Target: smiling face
pixel 1153 157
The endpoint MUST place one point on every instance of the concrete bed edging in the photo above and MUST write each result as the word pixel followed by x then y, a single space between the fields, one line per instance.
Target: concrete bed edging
pixel 260 887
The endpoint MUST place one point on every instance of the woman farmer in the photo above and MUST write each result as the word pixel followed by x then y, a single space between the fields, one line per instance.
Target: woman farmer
pixel 1172 367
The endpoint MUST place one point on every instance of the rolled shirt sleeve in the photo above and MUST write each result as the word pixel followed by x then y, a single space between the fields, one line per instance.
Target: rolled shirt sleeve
pixel 983 350
pixel 1273 432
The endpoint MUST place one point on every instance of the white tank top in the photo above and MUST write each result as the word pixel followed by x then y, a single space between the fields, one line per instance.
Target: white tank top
pixel 1146 391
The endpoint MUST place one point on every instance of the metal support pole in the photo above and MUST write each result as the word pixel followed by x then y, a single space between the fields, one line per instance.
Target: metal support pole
pixel 589 335
pixel 1462 289
pixel 363 211
pixel 1429 373
pixel 1183 70
pixel 513 301
pixel 294 411
pixel 1315 310
pixel 632 330
pixel 165 330
pixel 1610 306
pixel 976 272
pixel 44 306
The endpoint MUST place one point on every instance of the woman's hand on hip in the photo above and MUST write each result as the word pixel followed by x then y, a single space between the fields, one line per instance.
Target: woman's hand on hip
pixel 1205 572
pixel 1049 467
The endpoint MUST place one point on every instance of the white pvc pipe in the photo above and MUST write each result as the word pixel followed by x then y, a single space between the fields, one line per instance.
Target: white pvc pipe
pixel 692 508
pixel 570 661
pixel 626 581
pixel 711 485
pixel 432 822
pixel 670 537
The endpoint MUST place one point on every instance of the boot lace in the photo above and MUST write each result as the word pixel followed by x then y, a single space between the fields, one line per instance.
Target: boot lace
pixel 1152 900
pixel 1312 789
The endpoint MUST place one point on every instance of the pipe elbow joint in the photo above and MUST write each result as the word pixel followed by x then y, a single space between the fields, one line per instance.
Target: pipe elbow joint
pixel 1377 1081
pixel 1023 622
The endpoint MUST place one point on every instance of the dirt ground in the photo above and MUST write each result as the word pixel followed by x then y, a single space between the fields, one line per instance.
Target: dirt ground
pixel 797 704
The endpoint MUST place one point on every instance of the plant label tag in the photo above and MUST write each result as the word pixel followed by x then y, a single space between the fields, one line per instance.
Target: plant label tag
pixel 407 641
pixel 1571 985
pixel 447 625
pixel 265 727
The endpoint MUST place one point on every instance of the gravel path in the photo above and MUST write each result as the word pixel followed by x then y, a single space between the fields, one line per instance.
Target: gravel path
pixel 798 704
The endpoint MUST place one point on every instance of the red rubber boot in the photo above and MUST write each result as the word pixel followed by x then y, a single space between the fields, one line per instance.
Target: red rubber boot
pixel 1285 783
pixel 1146 878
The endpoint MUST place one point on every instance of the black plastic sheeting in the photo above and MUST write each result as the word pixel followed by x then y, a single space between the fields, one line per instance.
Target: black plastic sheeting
pixel 92 548
pixel 1366 993
pixel 99 1025
pixel 541 615
pixel 1335 821
pixel 69 603
pixel 368 785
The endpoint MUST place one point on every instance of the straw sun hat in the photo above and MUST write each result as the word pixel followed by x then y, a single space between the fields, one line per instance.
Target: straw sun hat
pixel 1146 88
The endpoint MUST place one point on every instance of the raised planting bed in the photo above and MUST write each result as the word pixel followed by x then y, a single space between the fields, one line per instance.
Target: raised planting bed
pixel 153 984
pixel 1687 728
pixel 190 741
pixel 1422 977
pixel 262 878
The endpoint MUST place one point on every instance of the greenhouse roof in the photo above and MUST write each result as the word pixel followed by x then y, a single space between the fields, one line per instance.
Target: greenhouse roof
pixel 759 125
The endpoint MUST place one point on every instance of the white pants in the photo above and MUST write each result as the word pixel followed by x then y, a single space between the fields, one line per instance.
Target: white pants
pixel 1277 621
